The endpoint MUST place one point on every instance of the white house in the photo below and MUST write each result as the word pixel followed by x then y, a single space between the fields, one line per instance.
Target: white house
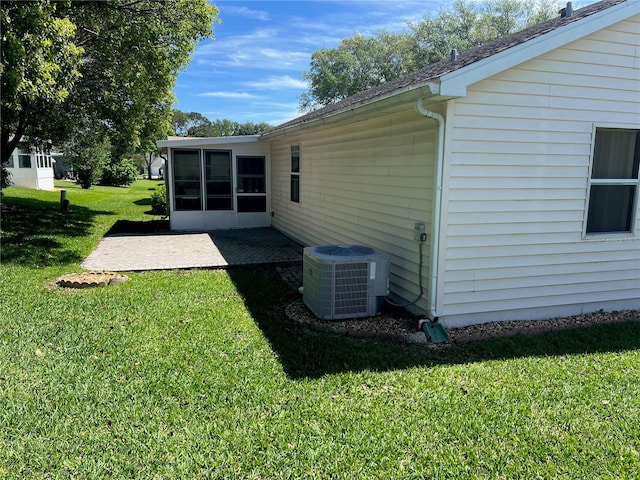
pixel 520 159
pixel 157 167
pixel 31 168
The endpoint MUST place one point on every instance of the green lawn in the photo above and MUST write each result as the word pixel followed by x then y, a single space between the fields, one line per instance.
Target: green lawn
pixel 198 374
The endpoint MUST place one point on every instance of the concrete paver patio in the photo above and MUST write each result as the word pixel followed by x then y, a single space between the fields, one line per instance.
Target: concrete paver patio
pixel 216 249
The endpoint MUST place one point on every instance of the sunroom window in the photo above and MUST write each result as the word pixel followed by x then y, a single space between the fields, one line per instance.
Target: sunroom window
pixel 217 166
pixel 187 179
pixel 613 191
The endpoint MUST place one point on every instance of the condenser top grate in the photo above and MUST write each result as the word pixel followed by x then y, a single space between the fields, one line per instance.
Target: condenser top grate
pixel 345 250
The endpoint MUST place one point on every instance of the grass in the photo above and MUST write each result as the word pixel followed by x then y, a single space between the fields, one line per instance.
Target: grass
pixel 197 374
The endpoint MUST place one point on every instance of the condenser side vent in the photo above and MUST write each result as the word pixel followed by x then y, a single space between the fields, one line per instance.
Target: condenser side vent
pixel 351 288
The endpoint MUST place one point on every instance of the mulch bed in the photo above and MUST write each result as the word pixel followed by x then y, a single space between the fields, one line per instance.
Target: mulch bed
pixel 402 326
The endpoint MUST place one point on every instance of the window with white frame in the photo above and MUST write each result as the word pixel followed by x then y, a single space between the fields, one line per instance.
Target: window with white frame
pixel 295 173
pixel 24 156
pixel 614 183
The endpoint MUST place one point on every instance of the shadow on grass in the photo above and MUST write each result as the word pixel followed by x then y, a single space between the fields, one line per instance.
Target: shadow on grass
pixel 309 354
pixel 32 230
pixel 143 201
pixel 123 227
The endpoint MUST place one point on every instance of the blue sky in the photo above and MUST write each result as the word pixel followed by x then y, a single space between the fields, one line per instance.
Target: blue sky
pixel 252 71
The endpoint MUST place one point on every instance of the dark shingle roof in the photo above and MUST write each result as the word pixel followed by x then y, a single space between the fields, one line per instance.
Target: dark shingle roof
pixel 444 67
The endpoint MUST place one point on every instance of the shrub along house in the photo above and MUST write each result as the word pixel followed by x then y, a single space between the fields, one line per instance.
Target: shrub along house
pixel 520 158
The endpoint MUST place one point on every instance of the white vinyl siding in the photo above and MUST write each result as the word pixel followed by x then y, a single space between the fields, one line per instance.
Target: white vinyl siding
pixel 31 168
pixel 517 181
pixel 365 183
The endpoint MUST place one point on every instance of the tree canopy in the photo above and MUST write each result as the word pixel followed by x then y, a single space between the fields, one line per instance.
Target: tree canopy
pixel 359 62
pixel 194 124
pixel 102 67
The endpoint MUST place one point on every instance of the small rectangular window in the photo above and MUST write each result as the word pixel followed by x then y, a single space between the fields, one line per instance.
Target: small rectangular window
pixel 613 189
pixel 295 173
pixel 24 160
pixel 295 188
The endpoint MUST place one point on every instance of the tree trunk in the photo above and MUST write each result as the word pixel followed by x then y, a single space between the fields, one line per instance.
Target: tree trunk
pixel 149 164
pixel 8 144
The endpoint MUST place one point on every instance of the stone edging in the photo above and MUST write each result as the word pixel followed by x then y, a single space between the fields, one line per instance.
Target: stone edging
pixel 90 279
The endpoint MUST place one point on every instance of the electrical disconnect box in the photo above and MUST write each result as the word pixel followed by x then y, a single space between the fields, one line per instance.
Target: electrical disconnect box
pixel 419 234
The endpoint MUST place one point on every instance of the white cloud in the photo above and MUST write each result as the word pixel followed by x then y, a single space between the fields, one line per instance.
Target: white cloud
pixel 283 115
pixel 284 82
pixel 244 12
pixel 232 95
pixel 264 48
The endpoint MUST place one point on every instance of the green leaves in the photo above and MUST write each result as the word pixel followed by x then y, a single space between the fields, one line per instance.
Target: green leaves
pixel 194 124
pixel 102 66
pixel 40 65
pixel 360 63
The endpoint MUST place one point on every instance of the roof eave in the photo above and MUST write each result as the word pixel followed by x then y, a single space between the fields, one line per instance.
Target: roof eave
pixel 407 94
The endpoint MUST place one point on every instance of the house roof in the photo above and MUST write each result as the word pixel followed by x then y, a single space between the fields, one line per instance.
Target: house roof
pixel 445 78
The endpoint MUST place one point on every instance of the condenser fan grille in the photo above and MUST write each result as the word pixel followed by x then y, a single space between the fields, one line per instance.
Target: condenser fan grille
pixel 344 250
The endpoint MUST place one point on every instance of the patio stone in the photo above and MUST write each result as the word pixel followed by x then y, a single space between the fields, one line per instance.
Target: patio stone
pixel 215 249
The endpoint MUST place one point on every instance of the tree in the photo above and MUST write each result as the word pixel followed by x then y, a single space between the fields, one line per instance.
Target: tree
pixel 194 124
pixel 470 25
pixel 105 65
pixel 40 65
pixel 359 63
pixel 88 153
pixel 183 122
pixel 227 128
pixel 156 126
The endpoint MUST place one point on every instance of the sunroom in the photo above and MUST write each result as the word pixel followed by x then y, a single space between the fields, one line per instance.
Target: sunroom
pixel 217 183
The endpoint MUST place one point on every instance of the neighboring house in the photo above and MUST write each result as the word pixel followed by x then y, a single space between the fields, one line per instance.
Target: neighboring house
pixel 520 158
pixel 31 168
pixel 157 167
pixel 62 168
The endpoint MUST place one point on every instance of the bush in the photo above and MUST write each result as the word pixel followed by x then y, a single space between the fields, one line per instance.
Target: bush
pixel 159 201
pixel 5 177
pixel 87 175
pixel 88 153
pixel 119 173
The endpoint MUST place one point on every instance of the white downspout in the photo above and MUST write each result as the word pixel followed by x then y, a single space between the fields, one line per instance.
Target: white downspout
pixel 437 208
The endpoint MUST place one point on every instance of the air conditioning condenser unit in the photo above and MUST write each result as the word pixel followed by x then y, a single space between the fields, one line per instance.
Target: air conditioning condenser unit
pixel 344 281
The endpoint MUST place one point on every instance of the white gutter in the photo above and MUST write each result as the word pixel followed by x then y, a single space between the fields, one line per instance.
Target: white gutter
pixel 437 208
